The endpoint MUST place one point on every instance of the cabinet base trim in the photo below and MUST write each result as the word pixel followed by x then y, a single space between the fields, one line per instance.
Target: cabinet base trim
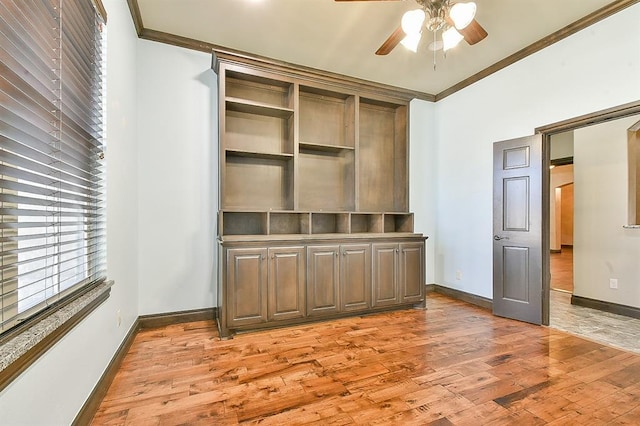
pixel 315 319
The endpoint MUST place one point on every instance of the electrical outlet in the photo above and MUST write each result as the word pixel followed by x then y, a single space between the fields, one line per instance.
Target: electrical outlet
pixel 118 318
pixel 613 283
pixel 458 275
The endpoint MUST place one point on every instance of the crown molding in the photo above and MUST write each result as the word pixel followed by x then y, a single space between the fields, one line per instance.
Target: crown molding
pixel 580 24
pixel 176 40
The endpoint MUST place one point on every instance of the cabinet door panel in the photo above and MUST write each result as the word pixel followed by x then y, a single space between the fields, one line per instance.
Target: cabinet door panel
pixel 286 283
pixel 246 286
pixel 355 283
pixel 411 272
pixel 385 276
pixel 322 280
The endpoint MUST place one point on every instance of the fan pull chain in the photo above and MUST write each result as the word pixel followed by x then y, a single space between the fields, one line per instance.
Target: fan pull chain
pixel 435 39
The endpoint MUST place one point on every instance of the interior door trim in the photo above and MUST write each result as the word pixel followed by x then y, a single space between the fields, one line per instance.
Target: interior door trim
pixel 613 113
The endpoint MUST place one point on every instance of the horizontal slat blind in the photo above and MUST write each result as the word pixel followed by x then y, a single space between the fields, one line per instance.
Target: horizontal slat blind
pixel 52 187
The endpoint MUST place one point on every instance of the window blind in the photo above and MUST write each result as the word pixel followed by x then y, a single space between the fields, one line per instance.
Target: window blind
pixel 52 169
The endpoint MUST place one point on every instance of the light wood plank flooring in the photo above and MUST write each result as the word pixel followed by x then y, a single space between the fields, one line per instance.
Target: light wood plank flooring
pixel 450 364
pixel 562 270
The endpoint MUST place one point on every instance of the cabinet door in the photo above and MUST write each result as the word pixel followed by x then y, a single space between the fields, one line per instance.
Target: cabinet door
pixel 322 280
pixel 411 272
pixel 355 277
pixel 385 274
pixel 286 283
pixel 246 283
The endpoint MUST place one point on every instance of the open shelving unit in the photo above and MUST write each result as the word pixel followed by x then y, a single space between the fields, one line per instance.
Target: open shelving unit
pixel 313 158
pixel 313 186
pixel 271 222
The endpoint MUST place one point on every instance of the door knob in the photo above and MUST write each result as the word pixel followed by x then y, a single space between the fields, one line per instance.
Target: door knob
pixel 497 238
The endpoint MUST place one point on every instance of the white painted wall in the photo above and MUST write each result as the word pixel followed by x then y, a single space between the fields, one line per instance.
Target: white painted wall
pixel 595 69
pixel 162 130
pixel 177 176
pixel 423 175
pixel 561 145
pixel 602 248
pixel 78 360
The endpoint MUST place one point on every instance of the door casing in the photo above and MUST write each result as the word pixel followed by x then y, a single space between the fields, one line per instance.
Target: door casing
pixel 620 111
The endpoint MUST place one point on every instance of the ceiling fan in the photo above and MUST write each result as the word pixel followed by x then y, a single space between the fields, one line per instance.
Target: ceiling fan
pixel 456 21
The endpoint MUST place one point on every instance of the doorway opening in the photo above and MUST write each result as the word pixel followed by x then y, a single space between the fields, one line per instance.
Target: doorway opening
pixel 592 185
pixel 561 211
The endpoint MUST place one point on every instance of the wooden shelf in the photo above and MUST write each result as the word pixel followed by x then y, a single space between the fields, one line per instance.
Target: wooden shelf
pixel 258 108
pixel 326 118
pixel 302 157
pixel 324 147
pixel 252 182
pixel 254 154
pixel 289 223
pixel 398 222
pixel 243 223
pixel 366 223
pixel 383 180
pixel 329 223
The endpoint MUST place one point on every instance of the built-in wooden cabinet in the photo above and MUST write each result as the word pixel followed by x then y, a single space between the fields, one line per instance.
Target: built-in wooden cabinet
pixel 385 274
pixel 411 272
pixel 323 280
pixel 398 273
pixel 285 288
pixel 338 278
pixel 246 287
pixel 355 277
pixel 264 284
pixel 313 196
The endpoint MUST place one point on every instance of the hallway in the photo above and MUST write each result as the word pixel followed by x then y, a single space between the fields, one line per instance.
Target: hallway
pixel 562 270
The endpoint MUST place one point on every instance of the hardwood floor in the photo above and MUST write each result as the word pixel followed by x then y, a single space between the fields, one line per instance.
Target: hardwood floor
pixel 450 364
pixel 562 270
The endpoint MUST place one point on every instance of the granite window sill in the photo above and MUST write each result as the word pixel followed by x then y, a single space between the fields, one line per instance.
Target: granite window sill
pixel 19 348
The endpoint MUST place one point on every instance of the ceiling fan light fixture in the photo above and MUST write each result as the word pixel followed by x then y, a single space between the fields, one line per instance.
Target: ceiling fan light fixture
pixel 462 14
pixel 450 38
pixel 411 41
pixel 412 21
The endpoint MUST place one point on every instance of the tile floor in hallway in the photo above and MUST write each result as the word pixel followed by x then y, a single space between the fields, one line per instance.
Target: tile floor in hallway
pixel 615 330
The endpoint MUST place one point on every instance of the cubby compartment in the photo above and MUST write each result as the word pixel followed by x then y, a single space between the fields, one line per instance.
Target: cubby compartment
pixel 329 223
pixel 382 157
pixel 366 223
pixel 326 118
pixel 244 223
pixel 257 183
pixel 326 180
pixel 398 222
pixel 289 223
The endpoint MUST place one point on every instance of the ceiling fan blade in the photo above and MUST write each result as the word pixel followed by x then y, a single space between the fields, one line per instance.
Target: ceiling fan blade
pixel 390 43
pixel 473 32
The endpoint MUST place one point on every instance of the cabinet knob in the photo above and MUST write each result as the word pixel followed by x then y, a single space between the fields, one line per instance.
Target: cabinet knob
pixel 344 253
pixel 396 250
pixel 263 257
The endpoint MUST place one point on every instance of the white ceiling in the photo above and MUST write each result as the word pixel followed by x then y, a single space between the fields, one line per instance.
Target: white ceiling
pixel 342 37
